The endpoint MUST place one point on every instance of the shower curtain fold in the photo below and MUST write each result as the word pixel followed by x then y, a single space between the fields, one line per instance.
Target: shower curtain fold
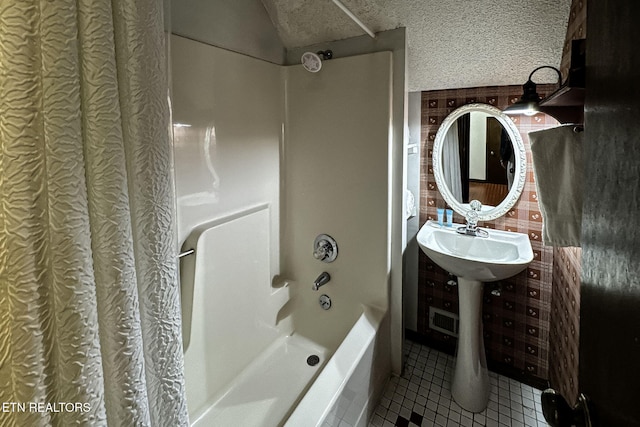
pixel 451 163
pixel 89 303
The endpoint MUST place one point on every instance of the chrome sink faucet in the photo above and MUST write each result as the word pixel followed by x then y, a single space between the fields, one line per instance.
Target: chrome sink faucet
pixel 322 280
pixel 471 229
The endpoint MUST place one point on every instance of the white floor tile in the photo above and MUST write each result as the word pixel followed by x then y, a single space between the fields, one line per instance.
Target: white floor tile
pixel 466 422
pixel 423 395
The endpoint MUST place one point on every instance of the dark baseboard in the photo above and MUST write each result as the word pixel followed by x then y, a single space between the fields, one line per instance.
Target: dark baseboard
pixel 448 348
pixel 498 368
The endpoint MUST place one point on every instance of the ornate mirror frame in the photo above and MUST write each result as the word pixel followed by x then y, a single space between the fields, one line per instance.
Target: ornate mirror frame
pixel 520 157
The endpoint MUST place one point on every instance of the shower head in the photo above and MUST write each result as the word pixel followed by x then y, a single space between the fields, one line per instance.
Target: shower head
pixel 311 62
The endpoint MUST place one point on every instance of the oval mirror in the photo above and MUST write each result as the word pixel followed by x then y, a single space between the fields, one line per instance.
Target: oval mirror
pixel 478 154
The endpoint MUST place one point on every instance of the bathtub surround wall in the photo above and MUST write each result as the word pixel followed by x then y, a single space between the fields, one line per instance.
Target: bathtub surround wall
pixel 392 41
pixel 516 324
pixel 336 168
pixel 610 293
pixel 335 176
pixel 318 147
pixel 227 121
pixel 241 26
pixel 225 338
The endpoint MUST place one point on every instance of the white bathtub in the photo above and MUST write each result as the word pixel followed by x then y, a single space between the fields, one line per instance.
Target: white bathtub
pixel 247 342
pixel 279 388
pixel 347 388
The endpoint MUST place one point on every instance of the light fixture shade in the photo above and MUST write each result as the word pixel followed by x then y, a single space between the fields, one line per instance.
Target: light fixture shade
pixel 528 103
pixel 528 108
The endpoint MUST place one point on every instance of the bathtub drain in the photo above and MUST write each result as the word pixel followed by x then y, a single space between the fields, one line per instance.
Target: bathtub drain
pixel 313 360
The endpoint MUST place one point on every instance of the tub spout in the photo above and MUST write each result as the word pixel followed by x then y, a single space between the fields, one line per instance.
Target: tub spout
pixel 322 279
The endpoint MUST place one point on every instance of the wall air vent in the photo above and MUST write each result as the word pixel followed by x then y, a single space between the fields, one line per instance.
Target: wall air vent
pixel 443 321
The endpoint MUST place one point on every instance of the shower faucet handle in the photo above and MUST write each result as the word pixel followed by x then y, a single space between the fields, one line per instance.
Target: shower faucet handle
pixel 325 248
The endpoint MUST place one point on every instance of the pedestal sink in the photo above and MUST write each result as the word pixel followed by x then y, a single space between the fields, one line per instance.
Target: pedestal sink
pixel 474 260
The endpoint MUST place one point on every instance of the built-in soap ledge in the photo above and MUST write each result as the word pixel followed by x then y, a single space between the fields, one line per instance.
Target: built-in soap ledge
pixel 277 307
pixel 280 294
pixel 279 282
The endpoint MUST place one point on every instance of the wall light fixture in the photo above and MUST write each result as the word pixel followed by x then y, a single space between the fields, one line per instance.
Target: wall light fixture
pixel 529 103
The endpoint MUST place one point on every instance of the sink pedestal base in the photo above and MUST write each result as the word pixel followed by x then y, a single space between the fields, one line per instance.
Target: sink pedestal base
pixel 470 387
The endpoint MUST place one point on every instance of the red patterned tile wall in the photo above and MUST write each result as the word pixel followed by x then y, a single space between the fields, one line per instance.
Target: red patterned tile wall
pixel 564 338
pixel 517 323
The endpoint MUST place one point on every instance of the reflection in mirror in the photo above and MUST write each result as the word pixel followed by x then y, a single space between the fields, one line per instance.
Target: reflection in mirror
pixel 478 155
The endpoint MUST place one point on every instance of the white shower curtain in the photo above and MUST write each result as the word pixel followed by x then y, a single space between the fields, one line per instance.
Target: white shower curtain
pixel 89 302
pixel 451 162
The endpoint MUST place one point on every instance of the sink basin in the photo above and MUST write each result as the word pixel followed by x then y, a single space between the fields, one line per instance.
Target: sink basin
pixel 501 255
pixel 474 260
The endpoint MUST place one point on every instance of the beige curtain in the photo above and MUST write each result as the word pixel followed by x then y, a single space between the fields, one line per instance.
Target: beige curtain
pixel 89 302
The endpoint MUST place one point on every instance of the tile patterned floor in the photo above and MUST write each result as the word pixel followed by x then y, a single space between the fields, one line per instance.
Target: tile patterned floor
pixel 422 397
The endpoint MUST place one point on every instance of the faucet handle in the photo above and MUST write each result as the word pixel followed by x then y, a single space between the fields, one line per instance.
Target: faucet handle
pixel 475 205
pixel 325 248
pixel 472 215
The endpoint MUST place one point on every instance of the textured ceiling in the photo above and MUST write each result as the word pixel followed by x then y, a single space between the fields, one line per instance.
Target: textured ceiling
pixel 451 43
